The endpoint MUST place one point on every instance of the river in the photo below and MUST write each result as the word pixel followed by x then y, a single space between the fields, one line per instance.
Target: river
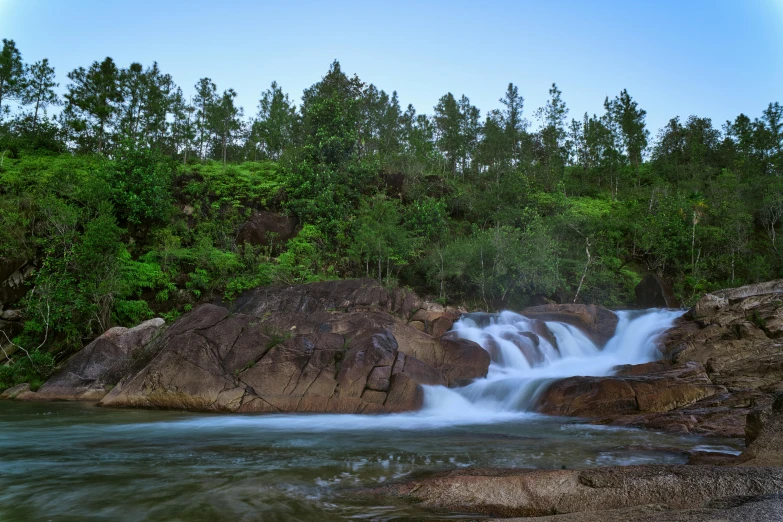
pixel 79 462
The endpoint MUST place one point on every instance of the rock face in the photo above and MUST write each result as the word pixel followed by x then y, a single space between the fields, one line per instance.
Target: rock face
pixel 722 361
pixel 535 493
pixel 654 292
pixel 766 446
pixel 99 366
pixel 338 346
pixel 267 229
pixel 13 274
pixel 598 323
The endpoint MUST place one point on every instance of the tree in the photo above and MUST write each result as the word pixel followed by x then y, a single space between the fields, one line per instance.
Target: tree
pixel 553 135
pixel 630 120
pixel 203 101
pixel 39 88
pixel 273 129
pixel 183 130
pixel 11 73
pixel 514 125
pixel 225 120
pixel 93 99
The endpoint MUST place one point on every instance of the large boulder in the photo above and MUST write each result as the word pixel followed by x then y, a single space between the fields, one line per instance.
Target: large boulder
pixel 537 493
pixel 213 361
pixel 99 366
pixel 267 228
pixel 337 346
pixel 653 292
pixel 598 323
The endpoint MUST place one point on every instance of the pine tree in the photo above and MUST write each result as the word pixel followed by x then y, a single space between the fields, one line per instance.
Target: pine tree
pixel 39 88
pixel 12 74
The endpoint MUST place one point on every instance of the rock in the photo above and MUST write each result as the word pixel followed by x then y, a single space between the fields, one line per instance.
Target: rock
pixel 617 395
pixel 654 292
pixel 759 508
pixel 598 323
pixel 348 295
pixel 9 330
pixel 13 274
pixel 100 365
pixel 267 229
pixel 534 493
pixel 766 448
pixel 732 339
pixel 10 315
pixel 436 322
pixel 14 391
pixel 336 346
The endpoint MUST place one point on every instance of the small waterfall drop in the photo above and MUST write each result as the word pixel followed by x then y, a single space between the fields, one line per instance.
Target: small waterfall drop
pixel 527 354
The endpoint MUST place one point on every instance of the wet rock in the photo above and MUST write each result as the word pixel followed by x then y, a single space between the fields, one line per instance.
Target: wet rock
pixel 616 395
pixel 94 370
pixel 654 292
pixel 598 323
pixel 535 493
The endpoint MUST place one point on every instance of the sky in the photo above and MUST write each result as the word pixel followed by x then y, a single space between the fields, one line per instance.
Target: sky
pixel 712 58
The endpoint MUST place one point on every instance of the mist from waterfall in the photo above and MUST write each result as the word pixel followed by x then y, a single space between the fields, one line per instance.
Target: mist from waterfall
pixel 529 354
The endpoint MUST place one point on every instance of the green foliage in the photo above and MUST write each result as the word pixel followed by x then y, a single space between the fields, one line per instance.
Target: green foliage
pixel 140 181
pixel 33 368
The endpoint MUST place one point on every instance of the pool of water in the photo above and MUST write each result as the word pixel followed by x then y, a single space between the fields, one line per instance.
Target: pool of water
pixel 78 462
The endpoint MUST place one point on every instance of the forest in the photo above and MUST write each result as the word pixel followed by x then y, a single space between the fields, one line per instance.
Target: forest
pixel 127 196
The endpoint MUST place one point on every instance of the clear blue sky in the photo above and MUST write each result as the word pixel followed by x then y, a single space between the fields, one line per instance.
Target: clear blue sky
pixel 713 58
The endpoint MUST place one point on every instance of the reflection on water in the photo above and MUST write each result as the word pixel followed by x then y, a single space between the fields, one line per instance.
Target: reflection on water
pixel 76 462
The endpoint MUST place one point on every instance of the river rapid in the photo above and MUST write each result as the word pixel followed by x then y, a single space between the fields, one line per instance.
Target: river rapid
pixel 69 461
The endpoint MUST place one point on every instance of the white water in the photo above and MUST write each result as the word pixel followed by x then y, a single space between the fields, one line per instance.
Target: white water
pixel 515 380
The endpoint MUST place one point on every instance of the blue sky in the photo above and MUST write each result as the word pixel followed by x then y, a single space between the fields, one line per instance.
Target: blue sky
pixel 713 58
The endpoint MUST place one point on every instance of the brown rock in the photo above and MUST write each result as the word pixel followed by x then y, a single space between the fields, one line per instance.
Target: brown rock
pixel 341 362
pixel 766 449
pixel 601 396
pixel 598 323
pixel 533 493
pixel 93 371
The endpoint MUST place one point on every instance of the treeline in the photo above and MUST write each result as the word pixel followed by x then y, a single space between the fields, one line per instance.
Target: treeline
pixel 131 197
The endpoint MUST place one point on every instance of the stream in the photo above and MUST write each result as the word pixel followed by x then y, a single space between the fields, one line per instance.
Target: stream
pixel 79 462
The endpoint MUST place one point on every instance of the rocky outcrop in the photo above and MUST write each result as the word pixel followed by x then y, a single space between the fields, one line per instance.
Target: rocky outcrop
pixel 13 274
pixel 653 292
pixel 267 228
pixel 337 346
pixel 598 323
pixel 99 366
pixel 722 361
pixel 535 493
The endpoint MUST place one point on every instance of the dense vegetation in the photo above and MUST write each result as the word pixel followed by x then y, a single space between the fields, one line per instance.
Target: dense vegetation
pixel 129 197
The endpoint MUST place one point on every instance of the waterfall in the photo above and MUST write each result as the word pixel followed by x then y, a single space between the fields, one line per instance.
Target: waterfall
pixel 528 354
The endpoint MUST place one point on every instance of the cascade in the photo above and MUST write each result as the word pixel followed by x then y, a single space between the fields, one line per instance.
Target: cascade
pixel 529 354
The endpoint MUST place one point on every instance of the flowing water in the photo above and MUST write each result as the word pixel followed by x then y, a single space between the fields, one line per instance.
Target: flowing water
pixel 77 462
